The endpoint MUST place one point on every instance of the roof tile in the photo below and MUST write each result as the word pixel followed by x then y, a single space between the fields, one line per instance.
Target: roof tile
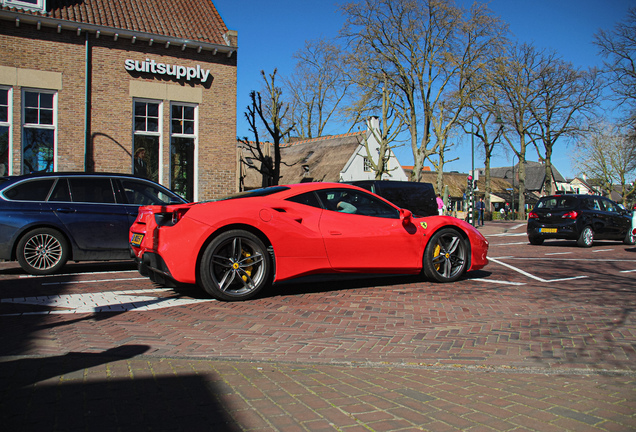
pixel 197 20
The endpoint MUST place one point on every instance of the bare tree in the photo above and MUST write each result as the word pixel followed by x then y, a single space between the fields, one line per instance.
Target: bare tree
pixel 565 96
pixel 484 122
pixel 515 79
pixel 427 48
pixel 608 157
pixel 387 134
pixel 618 46
pixel 316 88
pixel 272 116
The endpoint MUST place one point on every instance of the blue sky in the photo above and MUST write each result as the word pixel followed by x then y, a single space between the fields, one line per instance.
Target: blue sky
pixel 271 31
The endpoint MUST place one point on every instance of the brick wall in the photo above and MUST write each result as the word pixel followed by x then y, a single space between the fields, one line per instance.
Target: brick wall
pixel 111 127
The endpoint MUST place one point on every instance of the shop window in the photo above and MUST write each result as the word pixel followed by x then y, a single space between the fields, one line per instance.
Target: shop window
pixel 38 131
pixel 146 146
pixel 5 115
pixel 182 146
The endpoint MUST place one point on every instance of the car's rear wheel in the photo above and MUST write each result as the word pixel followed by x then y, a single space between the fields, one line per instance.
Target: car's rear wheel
pixel 630 238
pixel 42 251
pixel 235 266
pixel 535 240
pixel 445 257
pixel 586 238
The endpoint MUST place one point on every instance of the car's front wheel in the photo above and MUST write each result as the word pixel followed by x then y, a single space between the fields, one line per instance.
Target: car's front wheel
pixel 42 251
pixel 235 266
pixel 586 238
pixel 445 256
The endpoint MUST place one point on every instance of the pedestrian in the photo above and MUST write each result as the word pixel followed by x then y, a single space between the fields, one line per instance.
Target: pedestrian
pixel 507 209
pixel 440 205
pixel 141 168
pixel 481 207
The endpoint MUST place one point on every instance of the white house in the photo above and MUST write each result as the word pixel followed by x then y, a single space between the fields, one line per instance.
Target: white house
pixel 358 166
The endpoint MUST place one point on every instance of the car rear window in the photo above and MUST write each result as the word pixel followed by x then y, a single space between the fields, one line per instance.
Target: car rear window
pixel 33 190
pixel 557 203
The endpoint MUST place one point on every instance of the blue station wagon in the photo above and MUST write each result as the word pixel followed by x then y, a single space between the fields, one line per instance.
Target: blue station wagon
pixel 49 218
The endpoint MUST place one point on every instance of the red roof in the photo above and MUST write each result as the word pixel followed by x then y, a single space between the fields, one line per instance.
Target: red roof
pixel 196 20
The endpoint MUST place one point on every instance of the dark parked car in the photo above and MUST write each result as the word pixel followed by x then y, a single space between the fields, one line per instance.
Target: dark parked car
pixel 414 196
pixel 583 218
pixel 49 218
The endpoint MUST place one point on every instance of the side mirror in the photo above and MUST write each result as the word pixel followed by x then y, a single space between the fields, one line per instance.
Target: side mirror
pixel 406 216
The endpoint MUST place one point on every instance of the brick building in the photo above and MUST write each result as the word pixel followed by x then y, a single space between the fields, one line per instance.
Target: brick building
pixel 85 85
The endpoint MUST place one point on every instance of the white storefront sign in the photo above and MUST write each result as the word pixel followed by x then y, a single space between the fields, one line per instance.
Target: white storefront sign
pixel 151 66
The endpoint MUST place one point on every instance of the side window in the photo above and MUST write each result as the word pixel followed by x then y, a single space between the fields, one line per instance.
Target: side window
pixel 356 202
pixel 609 206
pixel 142 193
pixel 309 199
pixel 34 190
pixel 593 204
pixel 92 190
pixel 61 192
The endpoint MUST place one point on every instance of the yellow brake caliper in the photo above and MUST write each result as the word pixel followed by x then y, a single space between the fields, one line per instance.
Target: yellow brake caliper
pixel 436 252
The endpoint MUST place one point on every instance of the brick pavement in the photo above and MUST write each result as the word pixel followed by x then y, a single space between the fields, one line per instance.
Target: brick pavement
pixel 380 357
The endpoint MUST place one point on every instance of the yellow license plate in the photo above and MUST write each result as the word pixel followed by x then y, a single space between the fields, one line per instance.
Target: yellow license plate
pixel 136 239
pixel 548 230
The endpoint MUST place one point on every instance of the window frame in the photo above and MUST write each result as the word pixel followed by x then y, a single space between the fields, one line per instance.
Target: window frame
pixel 158 134
pixel 194 136
pixel 8 124
pixel 53 127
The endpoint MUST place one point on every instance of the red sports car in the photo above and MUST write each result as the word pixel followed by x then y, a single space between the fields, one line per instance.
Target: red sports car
pixel 236 246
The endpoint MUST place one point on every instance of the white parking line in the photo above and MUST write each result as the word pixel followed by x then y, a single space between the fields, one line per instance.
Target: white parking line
pixel 627 271
pixel 111 301
pixel 559 253
pixel 602 250
pixel 525 273
pixel 507 235
pixel 507 244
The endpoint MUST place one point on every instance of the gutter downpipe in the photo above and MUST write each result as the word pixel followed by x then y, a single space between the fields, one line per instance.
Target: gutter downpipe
pixel 87 109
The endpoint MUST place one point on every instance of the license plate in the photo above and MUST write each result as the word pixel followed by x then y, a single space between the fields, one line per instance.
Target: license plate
pixel 548 230
pixel 136 239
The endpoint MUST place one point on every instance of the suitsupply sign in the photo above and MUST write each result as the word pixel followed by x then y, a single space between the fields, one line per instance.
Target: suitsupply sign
pixel 151 66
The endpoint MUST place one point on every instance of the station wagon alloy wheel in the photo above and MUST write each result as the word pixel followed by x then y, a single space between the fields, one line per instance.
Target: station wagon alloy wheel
pixel 42 251
pixel 235 266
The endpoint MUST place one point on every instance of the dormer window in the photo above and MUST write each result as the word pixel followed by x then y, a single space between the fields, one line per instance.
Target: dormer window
pixel 36 5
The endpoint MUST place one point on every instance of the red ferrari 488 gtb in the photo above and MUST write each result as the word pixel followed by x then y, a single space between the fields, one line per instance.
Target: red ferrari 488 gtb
pixel 236 246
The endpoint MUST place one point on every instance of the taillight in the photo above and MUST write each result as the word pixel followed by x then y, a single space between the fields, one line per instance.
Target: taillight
pixel 532 215
pixel 570 215
pixel 170 218
pixel 178 214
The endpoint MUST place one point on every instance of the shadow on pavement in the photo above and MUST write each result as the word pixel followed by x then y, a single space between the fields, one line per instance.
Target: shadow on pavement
pixel 108 391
